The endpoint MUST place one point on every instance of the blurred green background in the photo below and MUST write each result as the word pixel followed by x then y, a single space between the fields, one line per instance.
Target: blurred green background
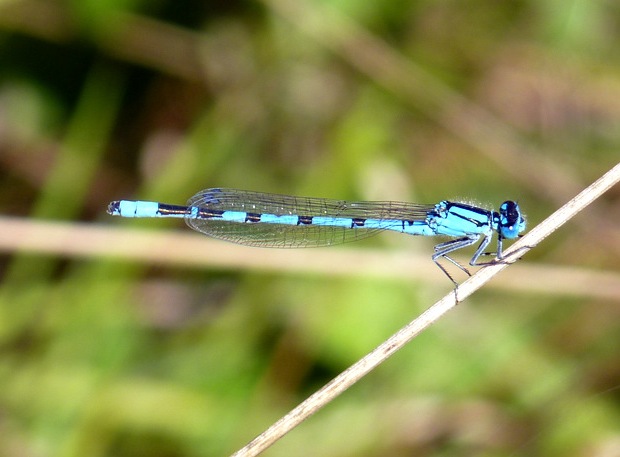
pixel 122 355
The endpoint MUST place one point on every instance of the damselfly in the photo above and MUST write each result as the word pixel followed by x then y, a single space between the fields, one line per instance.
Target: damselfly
pixel 284 221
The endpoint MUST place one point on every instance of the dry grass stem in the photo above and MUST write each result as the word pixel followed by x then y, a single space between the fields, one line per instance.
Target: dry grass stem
pixel 361 368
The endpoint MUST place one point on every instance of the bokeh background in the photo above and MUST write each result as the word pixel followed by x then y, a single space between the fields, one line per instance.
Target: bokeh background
pixel 142 338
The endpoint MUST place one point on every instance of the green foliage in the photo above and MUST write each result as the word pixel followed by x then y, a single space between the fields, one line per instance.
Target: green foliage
pixel 158 100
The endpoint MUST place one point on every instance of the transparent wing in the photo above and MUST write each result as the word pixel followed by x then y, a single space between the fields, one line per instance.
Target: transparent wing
pixel 302 235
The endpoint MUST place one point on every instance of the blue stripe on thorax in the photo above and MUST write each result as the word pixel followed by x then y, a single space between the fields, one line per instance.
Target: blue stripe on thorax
pixel 459 219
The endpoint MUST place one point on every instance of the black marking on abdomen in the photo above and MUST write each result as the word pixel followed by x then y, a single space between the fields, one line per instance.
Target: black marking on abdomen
pixel 357 222
pixel 305 220
pixel 209 213
pixel 172 210
pixel 252 217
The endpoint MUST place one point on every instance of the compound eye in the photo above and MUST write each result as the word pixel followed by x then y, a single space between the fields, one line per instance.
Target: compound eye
pixel 510 214
pixel 511 221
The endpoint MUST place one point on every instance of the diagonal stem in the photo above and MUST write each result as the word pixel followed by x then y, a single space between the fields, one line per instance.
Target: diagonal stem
pixel 386 349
